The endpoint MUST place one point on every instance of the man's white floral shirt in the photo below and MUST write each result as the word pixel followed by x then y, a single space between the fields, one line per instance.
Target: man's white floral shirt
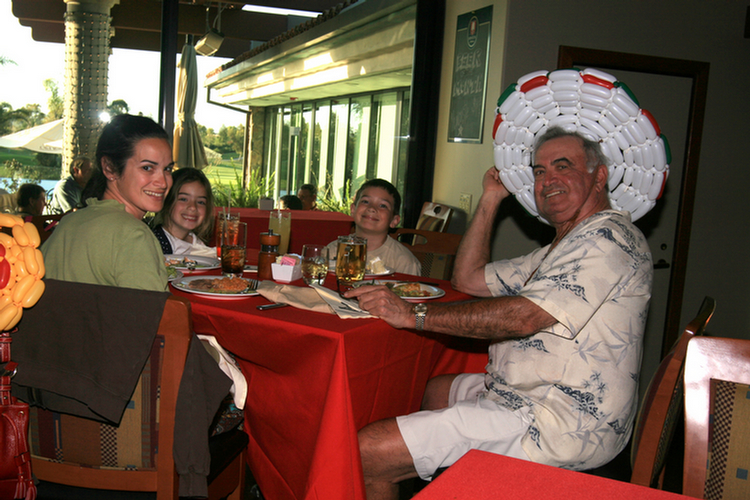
pixel 580 376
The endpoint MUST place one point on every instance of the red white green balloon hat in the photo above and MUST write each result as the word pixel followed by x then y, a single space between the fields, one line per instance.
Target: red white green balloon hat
pixel 599 107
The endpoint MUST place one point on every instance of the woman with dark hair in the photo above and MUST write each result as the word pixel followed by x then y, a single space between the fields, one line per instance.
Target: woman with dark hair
pixel 106 242
pixel 184 224
pixel 32 199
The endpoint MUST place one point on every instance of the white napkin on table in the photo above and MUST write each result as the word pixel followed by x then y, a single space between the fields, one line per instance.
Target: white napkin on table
pixel 345 308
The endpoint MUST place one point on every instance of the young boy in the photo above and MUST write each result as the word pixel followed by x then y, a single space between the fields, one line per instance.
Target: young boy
pixel 375 211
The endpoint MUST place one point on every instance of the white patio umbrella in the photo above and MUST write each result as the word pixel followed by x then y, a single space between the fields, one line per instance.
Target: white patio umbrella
pixel 188 147
pixel 45 138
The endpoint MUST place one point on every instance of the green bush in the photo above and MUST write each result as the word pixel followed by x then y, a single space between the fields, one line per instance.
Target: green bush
pixel 232 193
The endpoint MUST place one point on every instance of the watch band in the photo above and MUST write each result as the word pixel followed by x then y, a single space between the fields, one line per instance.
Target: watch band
pixel 420 311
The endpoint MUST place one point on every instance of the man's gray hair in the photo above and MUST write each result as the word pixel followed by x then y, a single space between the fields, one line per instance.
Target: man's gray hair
pixel 593 150
pixel 78 162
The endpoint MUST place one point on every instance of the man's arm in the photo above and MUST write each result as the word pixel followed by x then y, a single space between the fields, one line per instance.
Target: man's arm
pixel 496 318
pixel 474 252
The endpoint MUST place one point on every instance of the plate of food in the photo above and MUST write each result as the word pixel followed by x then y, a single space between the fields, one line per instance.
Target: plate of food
pixel 173 274
pixel 410 291
pixel 376 269
pixel 217 287
pixel 191 262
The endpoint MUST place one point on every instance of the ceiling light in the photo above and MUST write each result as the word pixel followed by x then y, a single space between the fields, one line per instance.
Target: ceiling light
pixel 210 43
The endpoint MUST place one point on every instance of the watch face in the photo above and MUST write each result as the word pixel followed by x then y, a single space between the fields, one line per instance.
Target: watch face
pixel 420 308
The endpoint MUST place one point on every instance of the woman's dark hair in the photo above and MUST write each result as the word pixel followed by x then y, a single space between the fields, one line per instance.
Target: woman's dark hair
pixel 180 178
pixel 117 143
pixel 292 202
pixel 28 192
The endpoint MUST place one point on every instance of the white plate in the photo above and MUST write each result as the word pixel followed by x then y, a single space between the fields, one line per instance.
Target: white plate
pixel 177 275
pixel 387 272
pixel 434 291
pixel 201 263
pixel 183 284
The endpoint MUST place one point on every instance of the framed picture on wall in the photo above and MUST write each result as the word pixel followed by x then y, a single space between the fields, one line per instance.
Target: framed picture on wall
pixel 470 66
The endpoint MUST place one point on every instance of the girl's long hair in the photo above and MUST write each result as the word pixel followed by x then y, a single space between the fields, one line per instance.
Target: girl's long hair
pixel 180 178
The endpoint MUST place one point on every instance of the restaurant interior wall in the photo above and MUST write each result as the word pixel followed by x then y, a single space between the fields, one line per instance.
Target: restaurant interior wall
pixel 526 36
pixel 337 143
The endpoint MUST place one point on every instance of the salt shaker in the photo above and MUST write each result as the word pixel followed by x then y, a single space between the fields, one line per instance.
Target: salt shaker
pixel 269 250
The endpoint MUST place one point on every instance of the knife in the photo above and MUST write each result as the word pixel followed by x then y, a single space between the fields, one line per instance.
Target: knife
pixel 271 306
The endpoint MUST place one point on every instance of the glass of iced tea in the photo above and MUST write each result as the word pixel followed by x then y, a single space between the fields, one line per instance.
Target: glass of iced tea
pixel 350 261
pixel 224 218
pixel 314 264
pixel 233 246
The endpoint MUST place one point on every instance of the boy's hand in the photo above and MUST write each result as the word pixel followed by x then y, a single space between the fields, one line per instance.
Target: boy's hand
pixel 380 301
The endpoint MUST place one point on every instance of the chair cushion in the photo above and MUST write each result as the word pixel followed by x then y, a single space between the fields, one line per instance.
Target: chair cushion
pixel 729 445
pixel 69 439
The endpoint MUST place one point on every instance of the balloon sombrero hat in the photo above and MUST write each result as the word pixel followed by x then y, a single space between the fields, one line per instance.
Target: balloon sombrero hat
pixel 599 107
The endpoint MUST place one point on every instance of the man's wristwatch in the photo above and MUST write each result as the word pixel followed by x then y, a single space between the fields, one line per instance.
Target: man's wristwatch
pixel 420 311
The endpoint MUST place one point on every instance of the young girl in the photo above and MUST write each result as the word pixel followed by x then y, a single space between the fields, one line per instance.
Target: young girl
pixel 185 223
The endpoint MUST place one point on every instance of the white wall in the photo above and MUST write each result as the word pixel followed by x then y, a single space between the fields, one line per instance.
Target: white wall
pixel 526 35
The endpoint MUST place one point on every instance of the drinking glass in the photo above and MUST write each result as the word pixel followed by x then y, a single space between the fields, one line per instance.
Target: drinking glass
pixel 314 264
pixel 222 218
pixel 351 260
pixel 233 246
pixel 281 222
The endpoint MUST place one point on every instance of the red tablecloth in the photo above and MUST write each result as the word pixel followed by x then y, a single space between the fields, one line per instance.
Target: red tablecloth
pixel 314 380
pixel 479 475
pixel 308 226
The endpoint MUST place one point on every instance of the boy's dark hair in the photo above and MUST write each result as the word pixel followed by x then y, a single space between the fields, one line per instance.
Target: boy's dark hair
pixel 383 184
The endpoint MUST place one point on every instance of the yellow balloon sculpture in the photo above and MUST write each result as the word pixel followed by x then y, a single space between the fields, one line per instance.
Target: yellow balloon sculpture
pixel 21 269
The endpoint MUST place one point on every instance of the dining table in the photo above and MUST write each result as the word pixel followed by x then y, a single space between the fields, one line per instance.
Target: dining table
pixel 315 379
pixel 480 475
pixel 307 226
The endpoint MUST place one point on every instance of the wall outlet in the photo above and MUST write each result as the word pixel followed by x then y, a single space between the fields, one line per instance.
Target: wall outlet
pixel 464 202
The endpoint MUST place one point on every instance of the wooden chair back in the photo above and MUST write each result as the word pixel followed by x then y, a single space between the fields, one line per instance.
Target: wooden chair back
pixel 662 406
pixel 434 217
pixel 436 251
pixel 45 224
pixel 717 418
pixel 175 331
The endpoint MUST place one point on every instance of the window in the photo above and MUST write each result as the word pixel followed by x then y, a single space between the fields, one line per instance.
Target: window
pixel 337 143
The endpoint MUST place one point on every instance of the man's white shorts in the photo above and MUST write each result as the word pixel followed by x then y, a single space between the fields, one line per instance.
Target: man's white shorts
pixel 438 438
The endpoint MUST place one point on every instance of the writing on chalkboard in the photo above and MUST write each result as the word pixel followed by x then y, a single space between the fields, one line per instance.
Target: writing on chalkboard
pixel 470 65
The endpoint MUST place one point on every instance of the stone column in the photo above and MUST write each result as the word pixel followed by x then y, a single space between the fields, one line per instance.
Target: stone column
pixel 87 34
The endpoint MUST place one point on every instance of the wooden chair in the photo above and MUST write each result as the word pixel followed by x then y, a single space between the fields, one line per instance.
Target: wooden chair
pixel 166 362
pixel 434 217
pixel 662 404
pixel 717 414
pixel 436 251
pixel 45 224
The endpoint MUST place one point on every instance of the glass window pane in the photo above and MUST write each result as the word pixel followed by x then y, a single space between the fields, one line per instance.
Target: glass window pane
pixel 359 127
pixel 319 158
pixel 340 177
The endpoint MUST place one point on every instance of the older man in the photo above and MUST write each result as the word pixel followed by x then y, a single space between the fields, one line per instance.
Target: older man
pixel 308 194
pixel 67 193
pixel 566 324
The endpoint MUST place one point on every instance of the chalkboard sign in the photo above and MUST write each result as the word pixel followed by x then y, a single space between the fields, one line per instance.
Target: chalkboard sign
pixel 470 66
